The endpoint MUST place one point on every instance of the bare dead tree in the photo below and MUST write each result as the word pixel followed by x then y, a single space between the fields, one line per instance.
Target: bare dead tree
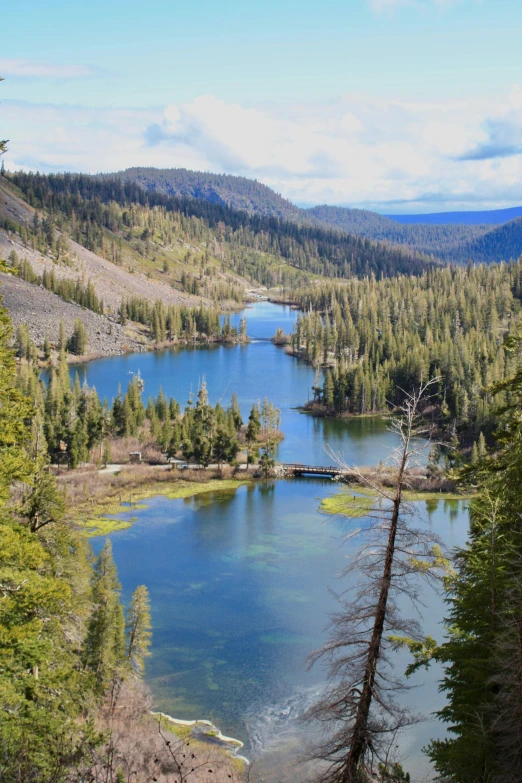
pixel 359 712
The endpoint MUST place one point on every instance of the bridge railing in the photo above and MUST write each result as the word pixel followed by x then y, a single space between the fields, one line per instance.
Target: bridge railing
pixel 297 466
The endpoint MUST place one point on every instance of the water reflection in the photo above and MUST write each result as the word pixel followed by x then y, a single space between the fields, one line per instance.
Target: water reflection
pixel 239 580
pixel 253 371
pixel 239 588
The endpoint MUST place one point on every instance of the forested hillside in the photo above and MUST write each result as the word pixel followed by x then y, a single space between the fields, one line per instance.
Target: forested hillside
pixel 501 242
pixel 97 204
pixel 381 339
pixel 452 241
pixel 225 189
pixel 441 241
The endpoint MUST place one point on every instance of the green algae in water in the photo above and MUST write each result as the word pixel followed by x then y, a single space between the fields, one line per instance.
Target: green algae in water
pixel 103 524
pixel 283 638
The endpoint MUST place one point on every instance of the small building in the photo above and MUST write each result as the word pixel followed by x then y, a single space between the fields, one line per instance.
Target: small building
pixel 135 457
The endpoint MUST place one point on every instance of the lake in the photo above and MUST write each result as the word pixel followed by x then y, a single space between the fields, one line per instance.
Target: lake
pixel 253 371
pixel 240 580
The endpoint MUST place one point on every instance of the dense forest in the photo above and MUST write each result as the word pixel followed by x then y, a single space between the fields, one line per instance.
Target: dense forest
pixel 65 642
pixel 93 204
pixel 481 656
pixel 380 339
pixel 452 241
pixel 441 241
pixel 236 192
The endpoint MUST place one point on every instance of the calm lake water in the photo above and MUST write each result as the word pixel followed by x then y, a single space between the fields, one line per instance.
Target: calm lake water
pixel 239 580
pixel 253 371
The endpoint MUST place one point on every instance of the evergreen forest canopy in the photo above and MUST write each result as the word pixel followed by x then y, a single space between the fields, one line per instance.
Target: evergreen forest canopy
pixel 455 241
pixel 237 192
pixel 482 656
pixel 96 203
pixel 379 340
pixel 66 646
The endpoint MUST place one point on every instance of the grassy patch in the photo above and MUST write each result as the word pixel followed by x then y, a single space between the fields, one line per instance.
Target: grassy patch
pixel 102 526
pixel 95 518
pixel 347 505
pixel 357 500
pixel 186 489
pixel 410 494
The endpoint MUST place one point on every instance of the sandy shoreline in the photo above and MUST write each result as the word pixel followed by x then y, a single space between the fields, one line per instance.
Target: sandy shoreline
pixel 230 744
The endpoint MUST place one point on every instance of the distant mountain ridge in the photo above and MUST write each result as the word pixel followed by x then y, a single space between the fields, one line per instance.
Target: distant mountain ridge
pixel 489 217
pixel 448 241
pixel 225 189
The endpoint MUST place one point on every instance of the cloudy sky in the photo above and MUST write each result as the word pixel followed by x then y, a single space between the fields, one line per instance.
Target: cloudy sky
pixel 395 105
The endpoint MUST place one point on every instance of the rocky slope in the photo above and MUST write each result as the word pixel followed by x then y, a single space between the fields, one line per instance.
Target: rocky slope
pixel 42 311
pixel 111 282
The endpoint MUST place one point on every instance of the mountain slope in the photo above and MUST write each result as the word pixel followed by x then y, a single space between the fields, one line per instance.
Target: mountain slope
pixel 442 241
pixel 426 234
pixel 502 243
pixel 111 281
pixel 225 189
pixel 261 247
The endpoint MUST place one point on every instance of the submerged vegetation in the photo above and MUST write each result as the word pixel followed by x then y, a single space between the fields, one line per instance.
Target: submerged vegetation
pixel 105 516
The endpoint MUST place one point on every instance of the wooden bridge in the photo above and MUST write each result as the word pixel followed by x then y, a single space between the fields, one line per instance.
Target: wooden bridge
pixel 296 469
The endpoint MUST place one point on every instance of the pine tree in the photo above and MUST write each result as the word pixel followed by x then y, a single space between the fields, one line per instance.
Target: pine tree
pixel 78 341
pixel 47 348
pixel 138 629
pixel 104 651
pixel 62 339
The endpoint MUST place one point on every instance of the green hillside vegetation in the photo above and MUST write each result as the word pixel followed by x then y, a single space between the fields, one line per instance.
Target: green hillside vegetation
pixel 140 239
pixel 225 189
pixel 447 242
pixel 65 644
pixel 380 339
pixel 267 250
pixel 450 242
pixel 502 242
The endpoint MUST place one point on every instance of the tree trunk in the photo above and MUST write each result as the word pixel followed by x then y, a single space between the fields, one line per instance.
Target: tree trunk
pixel 360 727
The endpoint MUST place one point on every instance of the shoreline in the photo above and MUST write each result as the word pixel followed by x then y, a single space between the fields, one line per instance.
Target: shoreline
pixel 215 736
pixel 72 359
pixel 113 498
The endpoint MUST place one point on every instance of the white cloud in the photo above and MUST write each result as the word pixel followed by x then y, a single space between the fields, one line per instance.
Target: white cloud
pixel 354 150
pixel 382 5
pixel 36 70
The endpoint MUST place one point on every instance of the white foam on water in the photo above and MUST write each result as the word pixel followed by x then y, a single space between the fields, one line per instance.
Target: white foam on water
pixel 276 723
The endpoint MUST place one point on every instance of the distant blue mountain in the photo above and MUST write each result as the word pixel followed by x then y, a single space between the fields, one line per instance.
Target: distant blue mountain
pixel 492 217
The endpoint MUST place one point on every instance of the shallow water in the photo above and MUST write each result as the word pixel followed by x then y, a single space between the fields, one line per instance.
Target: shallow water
pixel 239 580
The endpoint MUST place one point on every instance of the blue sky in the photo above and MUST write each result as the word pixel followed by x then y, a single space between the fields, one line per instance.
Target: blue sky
pixel 392 104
